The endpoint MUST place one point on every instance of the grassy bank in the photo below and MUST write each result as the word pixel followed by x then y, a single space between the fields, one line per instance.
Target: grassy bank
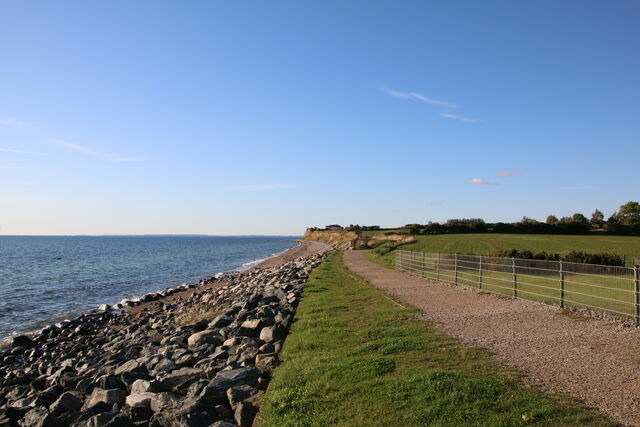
pixel 482 244
pixel 356 357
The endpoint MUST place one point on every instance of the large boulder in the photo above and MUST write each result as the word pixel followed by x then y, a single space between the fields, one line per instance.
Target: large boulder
pixel 181 378
pixel 216 390
pixel 207 336
pixel 69 401
pixel 22 341
pixel 250 328
pixel 110 397
pixel 273 333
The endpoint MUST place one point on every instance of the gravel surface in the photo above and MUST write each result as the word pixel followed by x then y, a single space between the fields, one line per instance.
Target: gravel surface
pixel 595 361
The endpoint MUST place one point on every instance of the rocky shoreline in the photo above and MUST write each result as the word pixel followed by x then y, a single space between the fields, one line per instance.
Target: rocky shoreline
pixel 144 366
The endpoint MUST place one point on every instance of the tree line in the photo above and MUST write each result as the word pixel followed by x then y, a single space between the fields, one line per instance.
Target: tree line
pixel 625 221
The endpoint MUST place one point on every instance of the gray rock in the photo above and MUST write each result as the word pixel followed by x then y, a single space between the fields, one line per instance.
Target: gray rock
pixel 144 386
pixel 112 396
pixel 267 362
pixel 245 413
pixel 22 341
pixel 38 417
pixel 273 333
pixel 68 401
pixel 217 388
pixel 221 321
pixel 131 366
pixel 180 378
pixel 107 382
pixel 250 328
pixel 140 399
pixel 237 394
pixel 207 336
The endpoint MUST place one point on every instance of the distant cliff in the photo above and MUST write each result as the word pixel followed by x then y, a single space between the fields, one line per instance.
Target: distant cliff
pixel 336 238
pixel 344 239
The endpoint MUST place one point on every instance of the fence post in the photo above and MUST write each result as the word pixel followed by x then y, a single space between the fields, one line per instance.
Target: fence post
pixel 480 274
pixel 561 285
pixel 424 267
pixel 455 268
pixel 438 267
pixel 399 259
pixel 515 278
pixel 636 290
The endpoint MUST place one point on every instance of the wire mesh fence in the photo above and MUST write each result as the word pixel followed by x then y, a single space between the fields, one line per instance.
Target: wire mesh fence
pixel 607 288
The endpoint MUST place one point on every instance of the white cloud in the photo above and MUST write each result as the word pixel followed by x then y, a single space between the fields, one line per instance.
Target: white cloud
pixel 264 187
pixel 509 173
pixel 458 117
pixel 480 181
pixel 445 106
pixel 419 97
pixel 95 153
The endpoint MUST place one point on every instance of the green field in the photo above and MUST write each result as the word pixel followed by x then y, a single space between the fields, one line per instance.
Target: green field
pixel 485 243
pixel 611 291
pixel 356 357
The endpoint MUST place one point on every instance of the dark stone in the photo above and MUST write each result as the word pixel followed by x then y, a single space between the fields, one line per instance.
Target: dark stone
pixel 110 381
pixel 15 413
pixel 220 322
pixel 38 417
pixel 68 401
pixel 181 378
pixel 245 413
pixel 22 341
pixel 217 388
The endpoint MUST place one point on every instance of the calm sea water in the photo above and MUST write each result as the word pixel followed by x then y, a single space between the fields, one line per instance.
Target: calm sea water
pixel 45 279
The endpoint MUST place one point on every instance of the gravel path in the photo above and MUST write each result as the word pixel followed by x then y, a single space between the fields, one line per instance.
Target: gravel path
pixel 595 361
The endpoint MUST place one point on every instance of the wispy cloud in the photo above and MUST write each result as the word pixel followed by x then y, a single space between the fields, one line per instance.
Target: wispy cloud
pixel 445 106
pixel 419 97
pixel 95 153
pixel 480 181
pixel 458 117
pixel 12 150
pixel 509 173
pixel 44 137
pixel 264 187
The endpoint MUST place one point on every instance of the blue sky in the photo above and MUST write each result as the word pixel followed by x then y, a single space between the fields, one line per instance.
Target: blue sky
pixel 267 117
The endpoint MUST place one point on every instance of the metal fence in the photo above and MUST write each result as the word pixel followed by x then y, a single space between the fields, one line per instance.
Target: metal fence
pixel 598 287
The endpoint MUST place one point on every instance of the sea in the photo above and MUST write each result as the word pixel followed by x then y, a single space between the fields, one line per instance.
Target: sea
pixel 46 279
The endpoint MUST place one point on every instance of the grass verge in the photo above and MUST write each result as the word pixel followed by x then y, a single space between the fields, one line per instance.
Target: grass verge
pixel 357 357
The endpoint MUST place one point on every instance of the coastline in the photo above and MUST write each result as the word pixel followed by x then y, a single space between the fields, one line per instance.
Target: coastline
pixel 127 303
pixel 140 303
pixel 202 351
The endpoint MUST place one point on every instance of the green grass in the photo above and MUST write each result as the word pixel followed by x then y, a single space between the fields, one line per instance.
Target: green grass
pixel 355 357
pixel 482 244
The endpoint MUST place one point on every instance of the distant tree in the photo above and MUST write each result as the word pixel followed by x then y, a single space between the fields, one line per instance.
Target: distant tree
pixel 527 220
pixel 578 218
pixel 333 227
pixel 597 219
pixel 552 220
pixel 413 228
pixel 629 214
pixel 433 228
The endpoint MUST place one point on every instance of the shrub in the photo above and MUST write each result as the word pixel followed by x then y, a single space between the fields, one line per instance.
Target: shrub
pixel 573 256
